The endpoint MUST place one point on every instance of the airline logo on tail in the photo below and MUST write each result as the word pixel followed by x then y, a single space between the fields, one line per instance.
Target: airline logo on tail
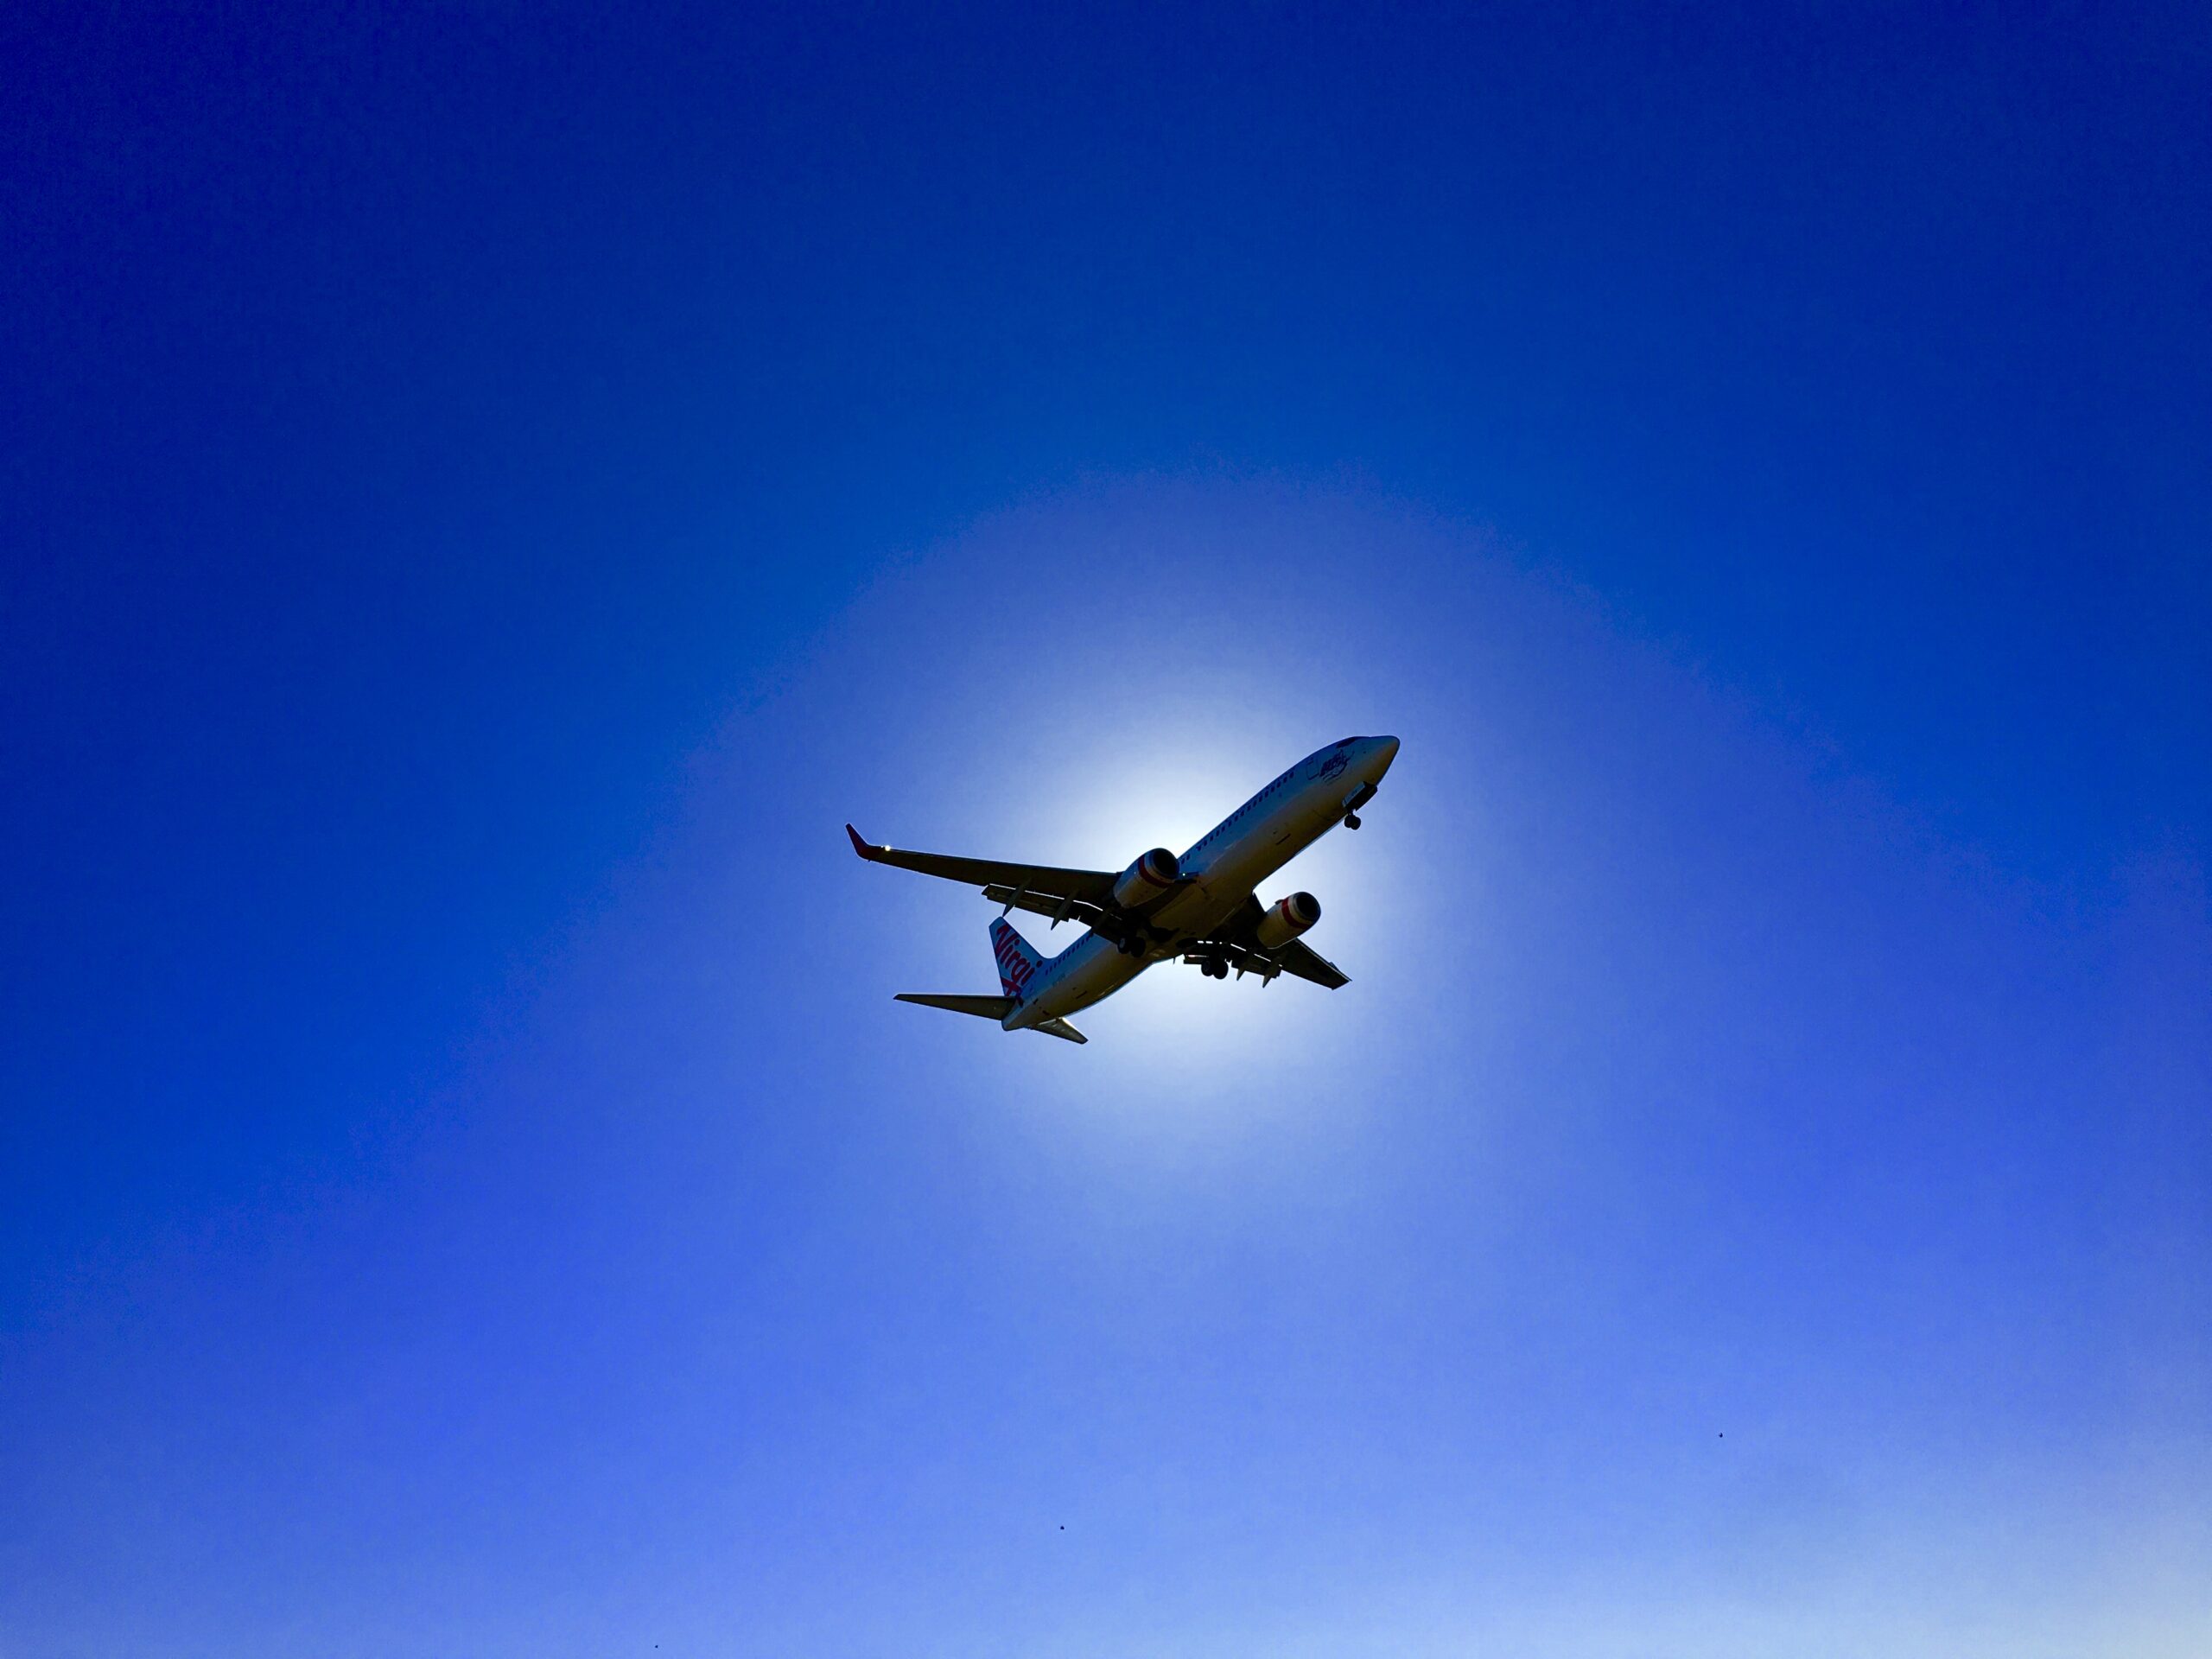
pixel 1017 961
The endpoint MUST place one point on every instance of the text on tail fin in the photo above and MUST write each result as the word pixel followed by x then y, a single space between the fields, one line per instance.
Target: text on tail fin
pixel 1018 962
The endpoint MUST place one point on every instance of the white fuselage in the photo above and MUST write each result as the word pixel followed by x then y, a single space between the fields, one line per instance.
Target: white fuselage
pixel 1220 873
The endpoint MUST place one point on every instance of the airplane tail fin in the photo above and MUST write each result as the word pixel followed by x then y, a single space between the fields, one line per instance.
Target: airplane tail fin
pixel 1018 959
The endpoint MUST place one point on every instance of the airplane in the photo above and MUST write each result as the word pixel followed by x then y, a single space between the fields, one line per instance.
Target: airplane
pixel 1200 907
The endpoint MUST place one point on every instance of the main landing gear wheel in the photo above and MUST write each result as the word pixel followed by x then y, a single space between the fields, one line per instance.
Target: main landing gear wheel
pixel 1352 820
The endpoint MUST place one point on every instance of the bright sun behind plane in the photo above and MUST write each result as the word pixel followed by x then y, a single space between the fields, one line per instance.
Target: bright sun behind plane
pixel 1200 907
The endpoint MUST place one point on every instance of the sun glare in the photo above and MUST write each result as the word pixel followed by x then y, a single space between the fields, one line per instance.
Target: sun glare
pixel 1088 795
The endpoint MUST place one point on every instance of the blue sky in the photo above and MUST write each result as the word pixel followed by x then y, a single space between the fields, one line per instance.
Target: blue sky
pixel 489 493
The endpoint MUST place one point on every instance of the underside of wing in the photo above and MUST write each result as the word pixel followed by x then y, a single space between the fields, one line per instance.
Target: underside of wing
pixel 1302 961
pixel 1044 881
pixel 1238 944
pixel 1059 908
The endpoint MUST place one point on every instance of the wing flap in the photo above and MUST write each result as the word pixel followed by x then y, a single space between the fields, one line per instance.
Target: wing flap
pixel 1301 960
pixel 1080 912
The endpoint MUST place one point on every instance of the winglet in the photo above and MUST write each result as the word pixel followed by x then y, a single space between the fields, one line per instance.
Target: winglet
pixel 861 847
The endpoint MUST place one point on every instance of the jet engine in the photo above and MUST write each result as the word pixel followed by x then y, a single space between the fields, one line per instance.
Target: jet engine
pixel 1145 881
pixel 1287 918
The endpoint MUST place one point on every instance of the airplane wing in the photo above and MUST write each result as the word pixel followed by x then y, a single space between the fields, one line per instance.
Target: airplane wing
pixel 1238 941
pixel 1302 960
pixel 1092 888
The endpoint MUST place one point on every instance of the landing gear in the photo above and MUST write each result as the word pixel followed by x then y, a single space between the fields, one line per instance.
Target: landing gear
pixel 1129 945
pixel 1352 820
pixel 1214 967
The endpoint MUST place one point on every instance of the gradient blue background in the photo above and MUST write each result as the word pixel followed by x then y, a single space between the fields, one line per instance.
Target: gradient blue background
pixel 489 490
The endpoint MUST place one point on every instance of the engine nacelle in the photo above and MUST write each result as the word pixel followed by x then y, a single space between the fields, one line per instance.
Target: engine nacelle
pixel 1144 881
pixel 1287 918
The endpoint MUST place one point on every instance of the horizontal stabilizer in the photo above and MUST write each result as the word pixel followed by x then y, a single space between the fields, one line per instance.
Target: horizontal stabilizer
pixel 986 1007
pixel 990 1007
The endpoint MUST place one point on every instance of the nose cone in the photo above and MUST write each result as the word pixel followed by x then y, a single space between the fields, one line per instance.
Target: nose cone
pixel 1386 750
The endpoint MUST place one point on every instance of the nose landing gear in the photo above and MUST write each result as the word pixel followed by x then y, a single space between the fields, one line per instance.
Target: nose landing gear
pixel 1358 798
